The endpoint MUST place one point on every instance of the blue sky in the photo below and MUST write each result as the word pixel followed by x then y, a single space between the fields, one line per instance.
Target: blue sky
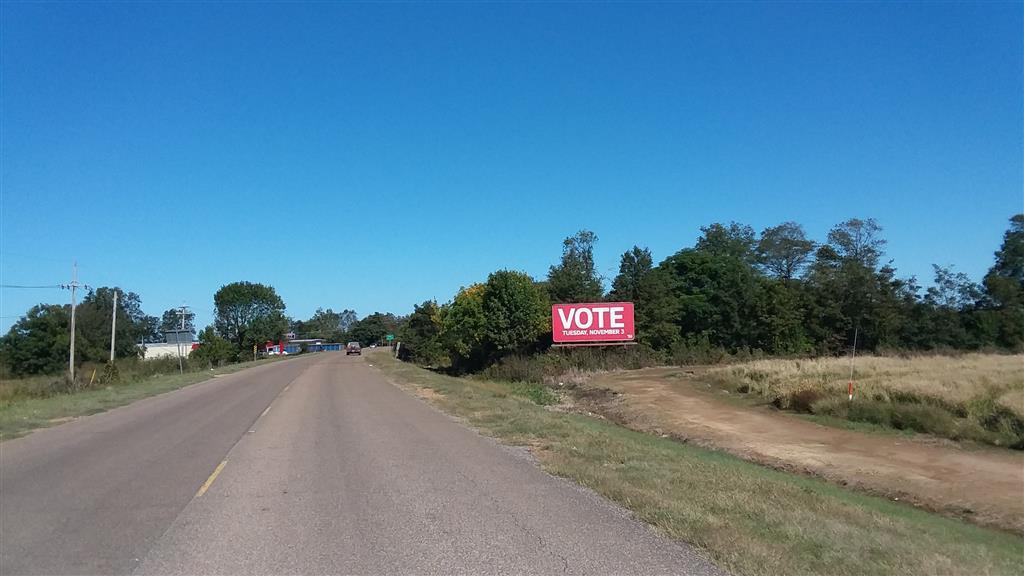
pixel 371 156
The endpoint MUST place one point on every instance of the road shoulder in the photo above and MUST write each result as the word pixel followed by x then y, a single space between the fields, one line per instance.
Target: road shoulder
pixel 749 519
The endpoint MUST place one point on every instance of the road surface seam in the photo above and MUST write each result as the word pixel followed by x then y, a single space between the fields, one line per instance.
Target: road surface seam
pixel 216 472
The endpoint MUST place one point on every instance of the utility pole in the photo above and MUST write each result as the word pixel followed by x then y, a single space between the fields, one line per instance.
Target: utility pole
pixel 113 327
pixel 853 356
pixel 182 313
pixel 73 286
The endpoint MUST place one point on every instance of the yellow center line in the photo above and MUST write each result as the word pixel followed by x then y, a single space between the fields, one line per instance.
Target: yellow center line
pixel 209 481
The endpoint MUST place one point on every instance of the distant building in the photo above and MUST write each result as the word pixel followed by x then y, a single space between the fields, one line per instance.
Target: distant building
pixel 162 350
pixel 170 345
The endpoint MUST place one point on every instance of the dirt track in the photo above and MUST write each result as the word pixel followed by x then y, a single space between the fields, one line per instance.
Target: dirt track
pixel 984 485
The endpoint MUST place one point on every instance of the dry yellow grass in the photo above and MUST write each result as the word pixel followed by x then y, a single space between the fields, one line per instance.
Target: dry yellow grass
pixel 953 380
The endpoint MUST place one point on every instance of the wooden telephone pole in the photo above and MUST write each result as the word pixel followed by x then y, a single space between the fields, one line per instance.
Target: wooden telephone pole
pixel 73 286
pixel 113 326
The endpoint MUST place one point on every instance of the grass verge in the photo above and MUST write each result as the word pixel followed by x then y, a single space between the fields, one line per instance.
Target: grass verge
pixel 21 415
pixel 749 519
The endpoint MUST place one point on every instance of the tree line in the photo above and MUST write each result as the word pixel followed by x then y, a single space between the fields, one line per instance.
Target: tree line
pixel 247 314
pixel 734 291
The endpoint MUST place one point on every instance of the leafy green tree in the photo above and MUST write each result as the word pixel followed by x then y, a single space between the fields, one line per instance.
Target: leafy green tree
pixel 346 319
pixel 249 314
pixel 1005 280
pixel 717 298
pixel 38 342
pixel 421 334
pixel 1004 285
pixel 779 314
pixel 784 250
pixel 575 279
pixel 325 324
pixel 634 265
pixel 735 240
pixel 149 329
pixel 213 350
pixel 854 300
pixel 657 310
pixel 298 327
pixel 858 241
pixel 463 330
pixel 517 313
pixel 374 328
pixel 952 291
pixel 92 325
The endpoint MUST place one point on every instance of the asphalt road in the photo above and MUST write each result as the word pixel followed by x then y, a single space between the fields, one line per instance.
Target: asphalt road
pixel 316 465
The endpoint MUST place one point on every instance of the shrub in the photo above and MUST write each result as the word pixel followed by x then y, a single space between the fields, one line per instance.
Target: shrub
pixel 537 393
pixel 553 366
pixel 923 417
pixel 700 352
pixel 110 375
pixel 803 400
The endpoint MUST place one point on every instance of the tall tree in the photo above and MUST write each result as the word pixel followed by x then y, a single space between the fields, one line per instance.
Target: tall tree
pixel 38 342
pixel 346 319
pixel 784 250
pixel 373 328
pixel 93 316
pixel 855 300
pixel 717 298
pixel 464 329
pixel 323 324
pixel 575 279
pixel 1005 280
pixel 634 265
pixel 657 310
pixel 149 331
pixel 952 290
pixel 248 313
pixel 420 335
pixel 735 240
pixel 858 241
pixel 1004 285
pixel 213 350
pixel 517 312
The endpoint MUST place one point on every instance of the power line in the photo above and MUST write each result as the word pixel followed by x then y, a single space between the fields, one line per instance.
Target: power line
pixel 30 287
pixel 7 254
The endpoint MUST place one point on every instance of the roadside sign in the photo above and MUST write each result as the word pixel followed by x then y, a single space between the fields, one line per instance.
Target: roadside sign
pixel 389 337
pixel 598 322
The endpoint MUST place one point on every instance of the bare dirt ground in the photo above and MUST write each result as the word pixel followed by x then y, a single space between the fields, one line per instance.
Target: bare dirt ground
pixel 981 484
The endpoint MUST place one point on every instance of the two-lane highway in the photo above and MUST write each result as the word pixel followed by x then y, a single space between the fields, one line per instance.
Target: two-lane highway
pixel 316 465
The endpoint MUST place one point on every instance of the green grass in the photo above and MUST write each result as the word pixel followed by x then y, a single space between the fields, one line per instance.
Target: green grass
pixel 20 415
pixel 749 519
pixel 865 427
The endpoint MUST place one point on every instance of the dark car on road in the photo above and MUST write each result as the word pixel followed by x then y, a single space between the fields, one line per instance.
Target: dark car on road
pixel 353 348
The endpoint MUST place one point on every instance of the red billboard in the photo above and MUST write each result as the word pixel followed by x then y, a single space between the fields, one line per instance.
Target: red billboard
pixel 601 322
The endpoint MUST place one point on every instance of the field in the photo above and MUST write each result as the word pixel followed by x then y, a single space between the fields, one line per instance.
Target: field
pixel 969 397
pixel 749 519
pixel 978 483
